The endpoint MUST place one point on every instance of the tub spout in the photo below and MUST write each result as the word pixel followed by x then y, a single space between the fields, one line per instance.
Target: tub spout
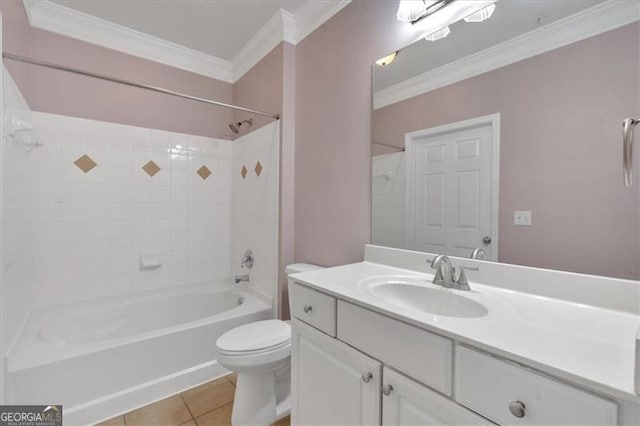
pixel 241 278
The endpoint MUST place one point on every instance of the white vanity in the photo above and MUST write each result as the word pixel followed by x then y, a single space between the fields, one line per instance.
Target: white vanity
pixel 377 343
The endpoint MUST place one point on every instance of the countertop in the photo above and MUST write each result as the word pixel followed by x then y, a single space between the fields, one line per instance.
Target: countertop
pixel 589 346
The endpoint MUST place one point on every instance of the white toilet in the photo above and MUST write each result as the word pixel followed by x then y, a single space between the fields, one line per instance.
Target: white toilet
pixel 260 354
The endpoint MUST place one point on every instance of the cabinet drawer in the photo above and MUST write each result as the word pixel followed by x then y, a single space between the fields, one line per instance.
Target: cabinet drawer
pixel 422 355
pixel 314 308
pixel 489 386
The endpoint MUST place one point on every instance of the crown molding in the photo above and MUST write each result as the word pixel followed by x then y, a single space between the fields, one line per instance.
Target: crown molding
pixel 49 16
pixel 313 14
pixel 587 23
pixel 282 26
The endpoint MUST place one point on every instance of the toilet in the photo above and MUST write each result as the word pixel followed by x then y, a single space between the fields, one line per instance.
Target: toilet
pixel 260 354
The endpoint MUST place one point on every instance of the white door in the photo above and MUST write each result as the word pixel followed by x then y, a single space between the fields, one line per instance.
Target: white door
pixel 409 403
pixel 332 383
pixel 452 193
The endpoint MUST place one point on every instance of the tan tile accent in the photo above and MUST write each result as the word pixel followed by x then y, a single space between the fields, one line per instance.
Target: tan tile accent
pixel 220 416
pixel 116 421
pixel 244 172
pixel 170 412
pixel 285 421
pixel 209 396
pixel 204 172
pixel 189 423
pixel 151 168
pixel 85 163
pixel 258 168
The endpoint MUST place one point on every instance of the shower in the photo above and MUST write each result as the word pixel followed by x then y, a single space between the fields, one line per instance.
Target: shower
pixel 235 127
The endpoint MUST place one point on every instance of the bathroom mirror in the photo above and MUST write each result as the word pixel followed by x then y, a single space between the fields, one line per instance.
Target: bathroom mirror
pixel 506 135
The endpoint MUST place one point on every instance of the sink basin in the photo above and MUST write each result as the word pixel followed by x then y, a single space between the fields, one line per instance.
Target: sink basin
pixel 420 295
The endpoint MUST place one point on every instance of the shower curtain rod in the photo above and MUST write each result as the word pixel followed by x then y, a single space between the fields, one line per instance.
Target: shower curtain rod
pixel 132 84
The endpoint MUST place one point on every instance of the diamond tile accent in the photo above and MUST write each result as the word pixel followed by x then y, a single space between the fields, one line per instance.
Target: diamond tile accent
pixel 85 163
pixel 258 168
pixel 204 172
pixel 151 168
pixel 244 172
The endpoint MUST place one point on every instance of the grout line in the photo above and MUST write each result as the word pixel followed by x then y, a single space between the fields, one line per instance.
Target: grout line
pixel 188 409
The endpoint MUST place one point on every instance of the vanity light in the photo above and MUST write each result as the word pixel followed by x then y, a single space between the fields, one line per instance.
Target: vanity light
pixel 441 33
pixel 414 10
pixel 387 59
pixel 482 14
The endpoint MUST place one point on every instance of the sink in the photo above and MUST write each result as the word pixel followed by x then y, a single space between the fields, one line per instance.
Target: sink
pixel 420 295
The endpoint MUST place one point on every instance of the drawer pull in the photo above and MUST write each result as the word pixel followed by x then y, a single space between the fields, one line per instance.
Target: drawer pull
pixel 307 309
pixel 386 390
pixel 366 377
pixel 517 408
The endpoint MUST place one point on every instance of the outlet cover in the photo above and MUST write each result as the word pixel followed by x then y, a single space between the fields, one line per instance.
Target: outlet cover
pixel 522 217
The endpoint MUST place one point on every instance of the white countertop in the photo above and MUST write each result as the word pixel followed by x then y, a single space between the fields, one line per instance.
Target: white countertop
pixel 587 345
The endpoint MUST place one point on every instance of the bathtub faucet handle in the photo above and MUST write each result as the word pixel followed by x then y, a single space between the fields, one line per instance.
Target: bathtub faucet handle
pixel 247 260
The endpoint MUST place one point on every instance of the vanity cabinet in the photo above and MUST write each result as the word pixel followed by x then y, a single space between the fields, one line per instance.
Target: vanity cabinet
pixel 332 383
pixel 351 365
pixel 407 402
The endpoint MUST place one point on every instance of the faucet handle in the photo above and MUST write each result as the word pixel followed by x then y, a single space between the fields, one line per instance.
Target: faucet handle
pixel 462 282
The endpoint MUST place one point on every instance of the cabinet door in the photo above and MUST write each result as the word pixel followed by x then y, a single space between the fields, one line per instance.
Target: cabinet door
pixel 332 383
pixel 410 403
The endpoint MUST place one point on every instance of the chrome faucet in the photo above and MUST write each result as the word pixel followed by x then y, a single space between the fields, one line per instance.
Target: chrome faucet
pixel 478 253
pixel 241 278
pixel 446 274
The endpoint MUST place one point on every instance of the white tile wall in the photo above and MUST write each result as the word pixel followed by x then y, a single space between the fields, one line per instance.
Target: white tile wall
pixel 255 206
pixel 17 273
pixel 91 228
pixel 388 200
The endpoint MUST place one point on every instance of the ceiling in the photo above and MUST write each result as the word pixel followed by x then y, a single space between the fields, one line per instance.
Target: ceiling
pixel 216 27
pixel 510 19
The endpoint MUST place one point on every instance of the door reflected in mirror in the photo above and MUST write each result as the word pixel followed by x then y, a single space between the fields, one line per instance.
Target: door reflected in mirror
pixel 506 136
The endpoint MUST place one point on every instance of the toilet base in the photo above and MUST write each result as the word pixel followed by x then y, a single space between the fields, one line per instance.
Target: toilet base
pixel 262 398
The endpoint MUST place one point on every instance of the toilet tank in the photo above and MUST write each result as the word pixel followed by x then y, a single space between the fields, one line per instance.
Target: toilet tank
pixel 301 267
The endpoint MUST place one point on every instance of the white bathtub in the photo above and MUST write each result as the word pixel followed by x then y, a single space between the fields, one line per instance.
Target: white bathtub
pixel 102 359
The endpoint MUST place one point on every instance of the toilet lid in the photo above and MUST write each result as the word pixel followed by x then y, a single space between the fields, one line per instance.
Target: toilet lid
pixel 255 336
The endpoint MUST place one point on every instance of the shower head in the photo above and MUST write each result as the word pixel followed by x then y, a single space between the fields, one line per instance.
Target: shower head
pixel 235 127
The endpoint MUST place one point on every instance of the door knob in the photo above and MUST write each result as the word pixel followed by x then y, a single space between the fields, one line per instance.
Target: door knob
pixel 386 390
pixel 517 408
pixel 366 377
pixel 486 240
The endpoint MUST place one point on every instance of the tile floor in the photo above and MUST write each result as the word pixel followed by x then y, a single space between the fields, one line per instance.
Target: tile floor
pixel 206 405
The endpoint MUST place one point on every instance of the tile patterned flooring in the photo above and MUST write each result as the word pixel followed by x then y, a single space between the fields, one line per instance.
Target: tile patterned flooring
pixel 206 405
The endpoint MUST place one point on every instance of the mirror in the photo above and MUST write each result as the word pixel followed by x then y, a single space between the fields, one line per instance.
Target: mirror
pixel 506 135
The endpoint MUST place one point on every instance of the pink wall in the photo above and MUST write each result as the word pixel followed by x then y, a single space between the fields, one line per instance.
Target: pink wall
pixel 561 150
pixel 333 129
pixel 63 93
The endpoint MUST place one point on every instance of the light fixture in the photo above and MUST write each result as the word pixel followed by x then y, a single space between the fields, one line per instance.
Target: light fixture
pixel 387 59
pixel 441 33
pixel 414 10
pixel 482 14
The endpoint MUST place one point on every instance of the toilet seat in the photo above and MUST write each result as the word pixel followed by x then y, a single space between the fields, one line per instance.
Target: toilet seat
pixel 255 338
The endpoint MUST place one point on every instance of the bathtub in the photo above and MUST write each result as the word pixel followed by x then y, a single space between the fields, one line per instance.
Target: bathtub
pixel 100 359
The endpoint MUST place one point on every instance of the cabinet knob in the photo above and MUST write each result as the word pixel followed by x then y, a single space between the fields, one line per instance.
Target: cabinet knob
pixel 486 240
pixel 306 309
pixel 366 377
pixel 517 408
pixel 386 390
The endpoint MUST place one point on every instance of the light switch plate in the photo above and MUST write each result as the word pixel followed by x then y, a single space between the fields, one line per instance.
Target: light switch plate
pixel 522 217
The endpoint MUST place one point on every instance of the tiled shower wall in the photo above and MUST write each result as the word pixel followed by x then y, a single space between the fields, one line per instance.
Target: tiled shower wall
pixel 388 200
pixel 17 244
pixel 142 192
pixel 255 205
